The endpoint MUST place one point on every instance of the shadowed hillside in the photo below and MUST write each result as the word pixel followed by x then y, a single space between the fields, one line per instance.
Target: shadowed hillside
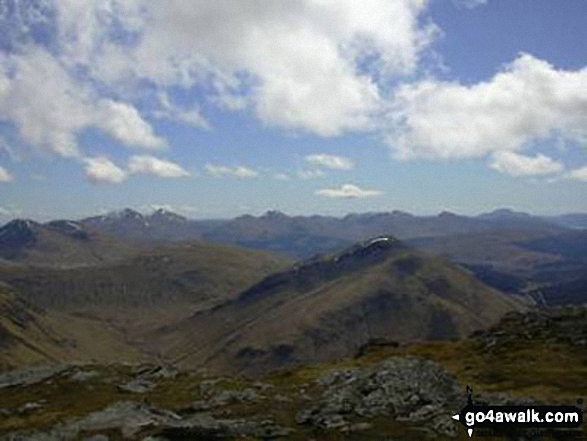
pixel 330 307
pixel 31 336
pixel 189 273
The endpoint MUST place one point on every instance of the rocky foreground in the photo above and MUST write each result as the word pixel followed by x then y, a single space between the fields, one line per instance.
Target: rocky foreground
pixel 416 394
pixel 391 392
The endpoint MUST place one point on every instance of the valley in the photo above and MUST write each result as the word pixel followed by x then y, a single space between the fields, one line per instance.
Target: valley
pixel 294 304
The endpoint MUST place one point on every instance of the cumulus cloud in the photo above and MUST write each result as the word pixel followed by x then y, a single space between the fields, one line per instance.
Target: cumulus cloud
pixel 307 175
pixel 149 165
pixel 301 64
pixel 348 191
pixel 123 122
pixel 330 162
pixel 101 170
pixel 579 174
pixel 516 164
pixel 528 101
pixel 169 110
pixel 5 175
pixel 239 172
pixel 51 108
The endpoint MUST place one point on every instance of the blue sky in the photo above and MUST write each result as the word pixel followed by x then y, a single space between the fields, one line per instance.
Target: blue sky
pixel 215 109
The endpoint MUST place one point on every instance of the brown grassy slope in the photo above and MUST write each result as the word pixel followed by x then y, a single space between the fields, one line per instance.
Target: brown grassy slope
pixel 59 244
pixel 30 336
pixel 328 309
pixel 527 365
pixel 185 273
pixel 103 312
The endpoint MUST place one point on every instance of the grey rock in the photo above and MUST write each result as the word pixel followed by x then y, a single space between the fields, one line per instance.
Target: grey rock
pixel 403 388
pixel 166 372
pixel 138 386
pixel 205 426
pixel 31 406
pixel 30 376
pixel 83 376
pixel 128 416
pixel 224 398
pixel 335 377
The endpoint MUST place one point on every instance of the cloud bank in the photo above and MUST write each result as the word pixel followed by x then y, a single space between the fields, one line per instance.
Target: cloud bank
pixel 517 165
pixel 327 68
pixel 102 170
pixel 348 191
pixel 149 165
pixel 529 101
pixel 330 162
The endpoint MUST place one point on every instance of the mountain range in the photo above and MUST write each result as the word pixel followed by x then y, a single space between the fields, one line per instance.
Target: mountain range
pixel 255 293
pixel 330 307
pixel 301 237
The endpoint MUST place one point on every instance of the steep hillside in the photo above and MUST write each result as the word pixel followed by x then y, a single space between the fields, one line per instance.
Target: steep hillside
pixel 58 244
pixel 550 267
pixel 186 273
pixel 30 335
pixel 302 237
pixel 330 307
pixel 159 226
pixel 406 392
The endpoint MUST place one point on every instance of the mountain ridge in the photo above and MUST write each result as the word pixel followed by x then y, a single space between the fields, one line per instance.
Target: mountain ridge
pixel 330 307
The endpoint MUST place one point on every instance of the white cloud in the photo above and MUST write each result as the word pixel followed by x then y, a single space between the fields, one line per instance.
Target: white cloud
pixel 5 175
pixel 348 191
pixel 50 107
pixel 309 65
pixel 517 165
pixel 100 169
pixel 331 162
pixel 579 174
pixel 172 112
pixel 300 64
pixel 238 172
pixel 528 101
pixel 124 123
pixel 149 165
pixel 307 175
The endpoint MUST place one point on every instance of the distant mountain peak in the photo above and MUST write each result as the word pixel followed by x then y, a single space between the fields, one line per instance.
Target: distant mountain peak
pixel 399 213
pixel 274 214
pixel 21 224
pixel 447 214
pixel 18 233
pixel 166 215
pixel 126 213
pixel 375 245
pixel 505 213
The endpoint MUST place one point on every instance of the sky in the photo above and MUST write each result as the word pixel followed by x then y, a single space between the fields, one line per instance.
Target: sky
pixel 217 109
